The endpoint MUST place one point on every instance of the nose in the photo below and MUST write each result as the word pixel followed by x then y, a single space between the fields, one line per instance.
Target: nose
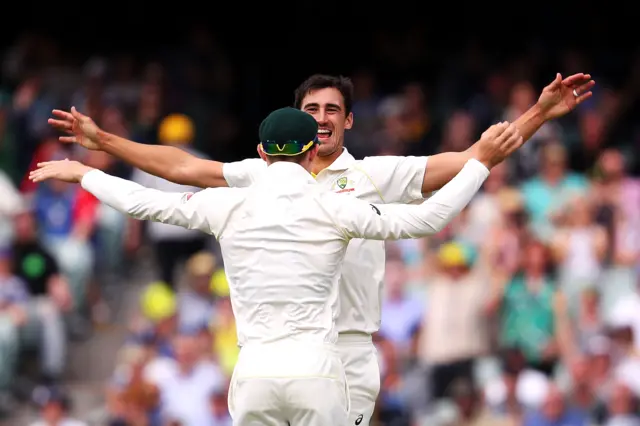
pixel 321 116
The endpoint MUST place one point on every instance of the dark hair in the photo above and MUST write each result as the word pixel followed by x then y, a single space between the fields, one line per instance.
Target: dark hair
pixel 320 81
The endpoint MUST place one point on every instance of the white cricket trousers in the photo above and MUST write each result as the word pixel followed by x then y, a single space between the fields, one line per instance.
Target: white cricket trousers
pixel 360 360
pixel 289 384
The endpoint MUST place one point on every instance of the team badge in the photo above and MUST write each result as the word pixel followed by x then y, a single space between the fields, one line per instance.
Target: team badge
pixel 342 182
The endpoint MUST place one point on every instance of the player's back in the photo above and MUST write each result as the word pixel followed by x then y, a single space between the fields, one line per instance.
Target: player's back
pixel 283 257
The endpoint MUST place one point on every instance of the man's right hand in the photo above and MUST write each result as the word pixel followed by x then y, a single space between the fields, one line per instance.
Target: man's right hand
pixel 497 143
pixel 81 128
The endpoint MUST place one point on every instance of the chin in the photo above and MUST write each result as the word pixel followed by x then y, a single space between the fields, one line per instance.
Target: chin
pixel 327 148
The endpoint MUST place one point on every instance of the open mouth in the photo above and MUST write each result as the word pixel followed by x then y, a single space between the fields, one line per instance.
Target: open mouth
pixel 324 134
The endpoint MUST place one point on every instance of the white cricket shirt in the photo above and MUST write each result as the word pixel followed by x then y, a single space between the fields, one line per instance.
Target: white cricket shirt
pixel 380 180
pixel 284 239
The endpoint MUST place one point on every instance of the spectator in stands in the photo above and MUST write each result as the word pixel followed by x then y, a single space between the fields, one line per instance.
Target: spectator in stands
pixel 401 313
pixel 49 299
pixel 196 302
pixel 186 382
pixel 55 409
pixel 454 329
pixel 555 411
pixel 66 234
pixel 579 248
pixel 157 325
pixel 528 320
pixel 622 409
pixel 546 195
pixel 13 298
pixel 617 197
pixel 171 244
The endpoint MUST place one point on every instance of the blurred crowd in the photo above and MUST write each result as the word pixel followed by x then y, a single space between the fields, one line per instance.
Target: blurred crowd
pixel 524 311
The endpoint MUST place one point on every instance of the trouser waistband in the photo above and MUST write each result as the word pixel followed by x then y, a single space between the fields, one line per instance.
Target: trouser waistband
pixel 354 337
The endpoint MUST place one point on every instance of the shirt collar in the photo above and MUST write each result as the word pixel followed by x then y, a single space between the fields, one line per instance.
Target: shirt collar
pixel 289 171
pixel 343 162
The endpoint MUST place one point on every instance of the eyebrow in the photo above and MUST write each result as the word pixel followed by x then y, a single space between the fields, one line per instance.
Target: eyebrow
pixel 317 105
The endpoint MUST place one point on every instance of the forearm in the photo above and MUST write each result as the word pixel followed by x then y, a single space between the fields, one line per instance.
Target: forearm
pixel 130 198
pixel 168 162
pixel 442 168
pixel 434 214
pixel 142 203
pixel 529 122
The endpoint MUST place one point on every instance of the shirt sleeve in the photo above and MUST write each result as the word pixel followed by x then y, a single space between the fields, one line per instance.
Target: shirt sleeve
pixel 188 210
pixel 241 174
pixel 397 179
pixel 358 219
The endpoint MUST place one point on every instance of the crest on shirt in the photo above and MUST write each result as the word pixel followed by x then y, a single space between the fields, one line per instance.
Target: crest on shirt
pixel 342 182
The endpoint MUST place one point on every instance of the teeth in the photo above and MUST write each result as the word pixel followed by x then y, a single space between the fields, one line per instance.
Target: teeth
pixel 324 131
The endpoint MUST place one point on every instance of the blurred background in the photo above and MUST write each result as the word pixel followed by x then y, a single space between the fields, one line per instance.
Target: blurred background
pixel 524 311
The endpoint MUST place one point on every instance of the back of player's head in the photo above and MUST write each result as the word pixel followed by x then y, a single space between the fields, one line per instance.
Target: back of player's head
pixel 321 81
pixel 287 132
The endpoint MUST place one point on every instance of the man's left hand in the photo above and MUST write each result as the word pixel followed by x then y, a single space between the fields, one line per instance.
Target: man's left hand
pixel 559 97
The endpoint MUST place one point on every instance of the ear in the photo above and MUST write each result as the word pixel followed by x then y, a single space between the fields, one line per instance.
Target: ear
pixel 348 122
pixel 261 152
pixel 313 152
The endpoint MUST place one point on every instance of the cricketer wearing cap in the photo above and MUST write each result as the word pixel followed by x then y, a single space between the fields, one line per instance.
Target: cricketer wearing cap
pixel 382 180
pixel 283 241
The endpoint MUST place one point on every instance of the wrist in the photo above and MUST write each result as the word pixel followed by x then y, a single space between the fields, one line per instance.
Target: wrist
pixel 82 172
pixel 537 112
pixel 488 164
pixel 104 139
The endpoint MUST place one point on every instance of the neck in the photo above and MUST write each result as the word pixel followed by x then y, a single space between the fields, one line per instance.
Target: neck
pixel 321 163
pixel 552 178
pixel 186 368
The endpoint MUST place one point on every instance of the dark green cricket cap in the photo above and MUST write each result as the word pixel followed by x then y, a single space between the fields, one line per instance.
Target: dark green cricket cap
pixel 288 131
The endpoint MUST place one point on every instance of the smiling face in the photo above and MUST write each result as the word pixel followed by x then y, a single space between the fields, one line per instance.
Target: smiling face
pixel 328 108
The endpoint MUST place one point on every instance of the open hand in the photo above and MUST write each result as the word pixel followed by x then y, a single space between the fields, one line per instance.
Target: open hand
pixel 80 128
pixel 558 98
pixel 64 170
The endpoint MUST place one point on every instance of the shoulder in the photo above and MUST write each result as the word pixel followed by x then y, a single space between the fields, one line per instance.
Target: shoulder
pixel 243 173
pixel 247 163
pixel 378 161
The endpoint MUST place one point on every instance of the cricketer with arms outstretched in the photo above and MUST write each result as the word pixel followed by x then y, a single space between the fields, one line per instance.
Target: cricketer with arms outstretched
pixel 385 179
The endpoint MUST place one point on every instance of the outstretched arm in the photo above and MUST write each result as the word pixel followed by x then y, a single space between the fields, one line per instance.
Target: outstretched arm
pixel 358 219
pixel 556 100
pixel 167 162
pixel 188 210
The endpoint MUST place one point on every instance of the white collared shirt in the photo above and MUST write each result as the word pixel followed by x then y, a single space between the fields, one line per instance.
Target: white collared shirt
pixel 284 239
pixel 380 180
